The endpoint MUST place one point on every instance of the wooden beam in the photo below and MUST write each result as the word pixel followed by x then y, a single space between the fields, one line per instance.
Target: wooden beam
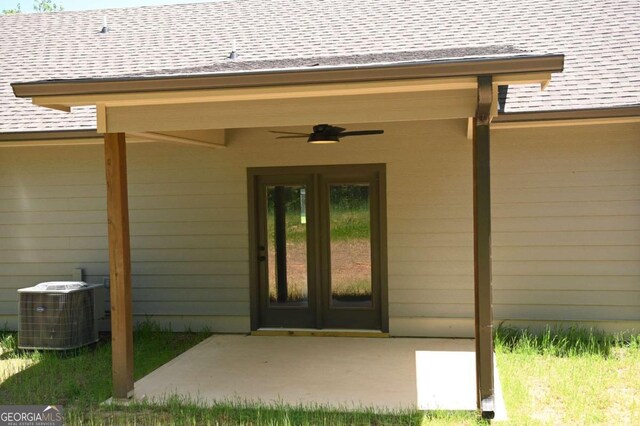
pixel 216 137
pixel 494 102
pixel 58 107
pixel 163 137
pixel 482 249
pixel 53 142
pixel 119 265
pixel 210 138
pixel 524 78
pixel 292 112
pixel 101 118
pixel 99 140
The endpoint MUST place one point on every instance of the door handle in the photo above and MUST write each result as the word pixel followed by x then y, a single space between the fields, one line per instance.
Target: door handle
pixel 262 258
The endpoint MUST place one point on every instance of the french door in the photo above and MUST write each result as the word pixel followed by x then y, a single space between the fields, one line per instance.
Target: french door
pixel 317 247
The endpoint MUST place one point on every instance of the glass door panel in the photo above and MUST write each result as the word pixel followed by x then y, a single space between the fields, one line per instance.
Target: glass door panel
pixel 286 266
pixel 349 202
pixel 287 245
pixel 350 245
pixel 317 247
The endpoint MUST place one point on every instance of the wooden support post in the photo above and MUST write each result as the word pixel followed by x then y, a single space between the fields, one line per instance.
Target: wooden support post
pixel 280 219
pixel 482 249
pixel 119 265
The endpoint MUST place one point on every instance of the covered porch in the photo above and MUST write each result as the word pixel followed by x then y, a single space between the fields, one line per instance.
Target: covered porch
pixel 206 109
pixel 335 372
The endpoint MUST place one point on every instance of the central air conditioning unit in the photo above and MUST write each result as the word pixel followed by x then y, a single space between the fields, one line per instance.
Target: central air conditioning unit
pixel 57 315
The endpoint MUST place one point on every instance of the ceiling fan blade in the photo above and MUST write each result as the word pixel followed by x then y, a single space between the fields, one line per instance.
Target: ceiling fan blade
pixel 289 133
pixel 362 133
pixel 293 137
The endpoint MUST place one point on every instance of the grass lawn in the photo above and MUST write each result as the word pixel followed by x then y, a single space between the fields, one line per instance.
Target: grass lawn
pixel 81 379
pixel 570 378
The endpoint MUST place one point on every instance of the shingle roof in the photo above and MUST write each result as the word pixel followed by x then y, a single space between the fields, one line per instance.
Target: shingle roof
pixel 465 54
pixel 600 40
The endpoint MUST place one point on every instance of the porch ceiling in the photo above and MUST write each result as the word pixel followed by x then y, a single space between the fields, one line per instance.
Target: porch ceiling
pixel 291 105
pixel 339 372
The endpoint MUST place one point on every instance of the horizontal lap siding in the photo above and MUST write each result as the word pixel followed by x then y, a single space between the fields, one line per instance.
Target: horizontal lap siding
pixel 188 229
pixel 51 199
pixel 189 220
pixel 430 231
pixel 566 230
pixel 566 222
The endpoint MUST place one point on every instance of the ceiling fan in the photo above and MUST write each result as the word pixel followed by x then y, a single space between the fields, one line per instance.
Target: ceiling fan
pixel 325 133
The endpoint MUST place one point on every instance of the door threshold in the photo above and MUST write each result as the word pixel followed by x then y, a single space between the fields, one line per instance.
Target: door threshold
pixel 266 331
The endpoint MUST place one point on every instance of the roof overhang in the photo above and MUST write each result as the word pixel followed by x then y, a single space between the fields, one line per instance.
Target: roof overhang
pixel 518 64
pixel 407 91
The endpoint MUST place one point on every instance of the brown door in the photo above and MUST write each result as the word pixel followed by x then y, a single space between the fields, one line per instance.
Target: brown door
pixel 317 247
pixel 286 238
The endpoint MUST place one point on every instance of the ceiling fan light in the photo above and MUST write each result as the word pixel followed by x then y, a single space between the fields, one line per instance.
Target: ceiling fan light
pixel 319 138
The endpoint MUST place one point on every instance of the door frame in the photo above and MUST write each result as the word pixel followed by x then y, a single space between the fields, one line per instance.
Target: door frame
pixel 253 174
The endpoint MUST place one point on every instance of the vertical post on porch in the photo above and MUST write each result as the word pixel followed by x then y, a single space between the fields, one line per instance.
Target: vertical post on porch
pixel 119 265
pixel 482 249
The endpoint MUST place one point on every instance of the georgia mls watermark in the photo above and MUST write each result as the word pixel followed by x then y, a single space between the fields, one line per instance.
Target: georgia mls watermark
pixel 31 415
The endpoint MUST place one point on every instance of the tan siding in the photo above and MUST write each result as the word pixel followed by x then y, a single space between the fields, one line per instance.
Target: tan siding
pixel 568 312
pixel 176 294
pixel 592 237
pixel 566 222
pixel 192 307
pixel 522 297
pixel 566 219
pixel 566 282
pixel 550 253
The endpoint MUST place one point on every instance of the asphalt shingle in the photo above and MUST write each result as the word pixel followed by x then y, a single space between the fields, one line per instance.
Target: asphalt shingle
pixel 600 40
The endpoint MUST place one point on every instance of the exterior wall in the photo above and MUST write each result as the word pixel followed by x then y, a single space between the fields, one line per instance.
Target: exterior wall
pixel 566 208
pixel 566 230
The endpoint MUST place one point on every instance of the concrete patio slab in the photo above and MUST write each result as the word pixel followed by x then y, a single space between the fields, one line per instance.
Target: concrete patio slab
pixel 338 372
pixel 446 381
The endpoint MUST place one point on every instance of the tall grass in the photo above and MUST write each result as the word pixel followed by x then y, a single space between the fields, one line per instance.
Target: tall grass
pixel 569 376
pixel 178 411
pixel 562 342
